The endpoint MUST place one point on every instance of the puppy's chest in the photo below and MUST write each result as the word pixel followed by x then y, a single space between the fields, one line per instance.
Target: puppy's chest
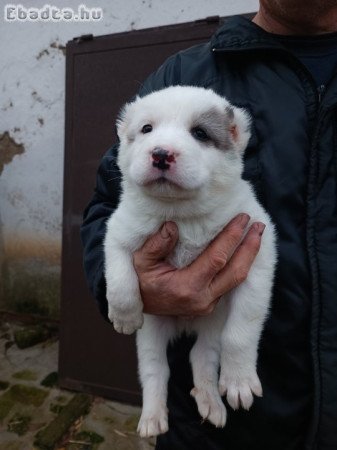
pixel 193 239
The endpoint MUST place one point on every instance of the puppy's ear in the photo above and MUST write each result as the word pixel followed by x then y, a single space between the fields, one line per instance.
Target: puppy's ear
pixel 239 122
pixel 123 119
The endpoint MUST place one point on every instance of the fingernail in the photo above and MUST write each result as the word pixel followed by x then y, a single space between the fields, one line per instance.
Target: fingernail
pixel 242 219
pixel 259 227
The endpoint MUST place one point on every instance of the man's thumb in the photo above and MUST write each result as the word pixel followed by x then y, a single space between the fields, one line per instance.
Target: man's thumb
pixel 158 246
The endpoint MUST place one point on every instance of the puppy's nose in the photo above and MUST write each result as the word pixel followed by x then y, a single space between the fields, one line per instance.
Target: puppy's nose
pixel 161 158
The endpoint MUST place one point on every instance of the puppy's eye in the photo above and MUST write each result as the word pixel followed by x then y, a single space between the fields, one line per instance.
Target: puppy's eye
pixel 200 134
pixel 147 128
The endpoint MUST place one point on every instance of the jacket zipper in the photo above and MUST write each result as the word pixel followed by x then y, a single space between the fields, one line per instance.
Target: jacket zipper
pixel 320 91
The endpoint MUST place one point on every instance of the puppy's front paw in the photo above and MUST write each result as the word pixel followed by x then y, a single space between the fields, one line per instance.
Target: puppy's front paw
pixel 210 406
pixel 153 424
pixel 239 388
pixel 126 321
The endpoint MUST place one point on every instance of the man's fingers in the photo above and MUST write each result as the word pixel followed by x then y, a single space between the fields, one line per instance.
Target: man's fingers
pixel 157 247
pixel 216 255
pixel 237 269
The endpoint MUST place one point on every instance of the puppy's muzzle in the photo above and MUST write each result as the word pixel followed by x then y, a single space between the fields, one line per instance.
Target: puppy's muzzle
pixel 161 158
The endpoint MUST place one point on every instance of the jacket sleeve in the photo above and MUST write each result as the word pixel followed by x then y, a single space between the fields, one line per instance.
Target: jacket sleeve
pixel 106 197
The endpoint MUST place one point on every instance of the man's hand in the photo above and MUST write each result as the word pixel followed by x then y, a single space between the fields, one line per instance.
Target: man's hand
pixel 195 289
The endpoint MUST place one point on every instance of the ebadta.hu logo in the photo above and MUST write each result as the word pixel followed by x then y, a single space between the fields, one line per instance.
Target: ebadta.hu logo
pixel 14 13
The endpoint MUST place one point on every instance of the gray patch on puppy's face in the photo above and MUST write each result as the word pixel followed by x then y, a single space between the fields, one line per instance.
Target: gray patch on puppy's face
pixel 216 124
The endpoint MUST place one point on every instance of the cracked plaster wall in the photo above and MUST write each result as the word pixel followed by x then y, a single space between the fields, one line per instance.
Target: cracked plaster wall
pixel 32 133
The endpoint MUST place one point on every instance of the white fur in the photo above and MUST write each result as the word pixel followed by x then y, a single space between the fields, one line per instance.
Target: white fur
pixel 203 193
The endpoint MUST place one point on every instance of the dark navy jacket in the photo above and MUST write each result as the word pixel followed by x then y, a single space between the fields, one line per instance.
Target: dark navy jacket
pixel 291 160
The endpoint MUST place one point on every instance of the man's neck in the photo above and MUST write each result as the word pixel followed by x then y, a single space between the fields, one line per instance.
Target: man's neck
pixel 285 26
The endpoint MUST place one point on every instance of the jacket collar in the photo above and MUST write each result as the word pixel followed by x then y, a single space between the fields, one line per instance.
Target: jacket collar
pixel 239 33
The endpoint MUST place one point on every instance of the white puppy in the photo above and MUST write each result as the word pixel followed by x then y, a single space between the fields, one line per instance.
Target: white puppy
pixel 180 155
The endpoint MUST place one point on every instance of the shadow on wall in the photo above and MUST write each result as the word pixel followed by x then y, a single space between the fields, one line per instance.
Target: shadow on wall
pixel 29 266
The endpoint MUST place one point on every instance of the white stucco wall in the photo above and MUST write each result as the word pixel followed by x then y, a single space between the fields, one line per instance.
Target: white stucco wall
pixel 32 79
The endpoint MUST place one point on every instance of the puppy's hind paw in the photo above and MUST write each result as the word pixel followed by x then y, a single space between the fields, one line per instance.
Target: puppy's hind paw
pixel 152 425
pixel 240 391
pixel 210 406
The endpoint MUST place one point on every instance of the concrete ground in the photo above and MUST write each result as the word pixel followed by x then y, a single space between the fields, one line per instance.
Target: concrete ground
pixel 36 414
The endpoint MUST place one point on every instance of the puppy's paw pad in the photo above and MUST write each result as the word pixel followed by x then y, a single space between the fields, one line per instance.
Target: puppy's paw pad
pixel 210 406
pixel 240 390
pixel 152 425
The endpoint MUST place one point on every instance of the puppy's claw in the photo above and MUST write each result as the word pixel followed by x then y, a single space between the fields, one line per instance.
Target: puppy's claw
pixel 125 329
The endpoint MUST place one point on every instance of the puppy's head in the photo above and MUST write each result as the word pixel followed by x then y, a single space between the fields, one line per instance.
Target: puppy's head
pixel 179 140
